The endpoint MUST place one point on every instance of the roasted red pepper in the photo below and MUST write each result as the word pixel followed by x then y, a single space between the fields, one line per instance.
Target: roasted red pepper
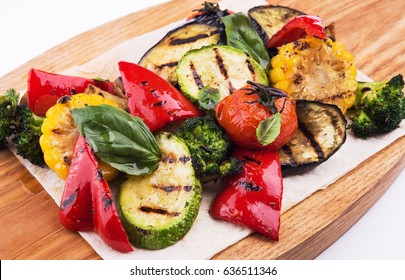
pixel 152 98
pixel 297 28
pixel 253 197
pixel 75 212
pixel 44 89
pixel 87 201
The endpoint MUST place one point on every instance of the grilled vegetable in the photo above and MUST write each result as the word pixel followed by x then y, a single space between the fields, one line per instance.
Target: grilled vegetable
pixel 163 57
pixel 253 197
pixel 379 107
pixel 297 28
pixel 87 201
pixel 122 102
pixel 44 89
pixel 159 209
pixel 209 147
pixel 221 67
pixel 153 99
pixel 269 19
pixel 316 69
pixel 8 109
pixel 75 211
pixel 205 29
pixel 60 131
pixel 27 135
pixel 321 132
pixel 257 116
pixel 18 123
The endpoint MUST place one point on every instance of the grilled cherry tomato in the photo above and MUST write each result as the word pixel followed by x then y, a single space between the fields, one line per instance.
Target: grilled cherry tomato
pixel 296 28
pixel 44 89
pixel 153 99
pixel 241 112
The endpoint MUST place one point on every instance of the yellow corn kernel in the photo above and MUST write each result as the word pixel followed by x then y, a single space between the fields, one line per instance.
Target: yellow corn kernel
pixel 276 75
pixel 283 85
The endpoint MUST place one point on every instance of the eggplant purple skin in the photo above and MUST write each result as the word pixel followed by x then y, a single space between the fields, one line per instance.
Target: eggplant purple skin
pixel 291 170
pixel 261 31
pixel 296 168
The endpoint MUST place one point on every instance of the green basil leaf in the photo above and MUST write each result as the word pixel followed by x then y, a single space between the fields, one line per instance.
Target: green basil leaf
pixel 268 129
pixel 241 34
pixel 119 139
pixel 207 98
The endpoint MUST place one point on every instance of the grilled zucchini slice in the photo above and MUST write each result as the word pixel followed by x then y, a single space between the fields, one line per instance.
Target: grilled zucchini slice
pixel 269 19
pixel 163 57
pixel 159 209
pixel 321 132
pixel 222 67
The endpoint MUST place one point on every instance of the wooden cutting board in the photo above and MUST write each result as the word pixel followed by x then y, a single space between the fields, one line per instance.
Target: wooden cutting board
pixel 371 30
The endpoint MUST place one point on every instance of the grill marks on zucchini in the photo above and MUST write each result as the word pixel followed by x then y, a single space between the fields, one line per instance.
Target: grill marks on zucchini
pixel 221 67
pixel 321 132
pixel 196 77
pixel 159 209
pixel 220 63
pixel 163 57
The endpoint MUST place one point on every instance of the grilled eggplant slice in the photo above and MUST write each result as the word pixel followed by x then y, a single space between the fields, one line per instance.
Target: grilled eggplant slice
pixel 269 19
pixel 163 57
pixel 321 132
pixel 159 209
pixel 206 28
pixel 220 67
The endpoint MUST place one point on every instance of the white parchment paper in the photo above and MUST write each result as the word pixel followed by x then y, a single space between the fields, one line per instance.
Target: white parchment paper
pixel 209 236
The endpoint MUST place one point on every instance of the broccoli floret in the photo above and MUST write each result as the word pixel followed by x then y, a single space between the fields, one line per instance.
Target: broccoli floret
pixel 8 107
pixel 209 147
pixel 18 123
pixel 379 107
pixel 28 132
pixel 231 166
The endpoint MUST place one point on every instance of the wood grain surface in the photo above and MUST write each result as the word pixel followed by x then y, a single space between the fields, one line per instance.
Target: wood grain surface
pixel 372 30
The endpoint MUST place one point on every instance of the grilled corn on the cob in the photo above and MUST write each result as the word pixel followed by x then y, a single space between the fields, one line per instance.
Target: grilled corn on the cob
pixel 315 69
pixel 60 132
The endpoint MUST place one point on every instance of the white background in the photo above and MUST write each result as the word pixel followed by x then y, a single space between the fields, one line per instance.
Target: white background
pixel 29 28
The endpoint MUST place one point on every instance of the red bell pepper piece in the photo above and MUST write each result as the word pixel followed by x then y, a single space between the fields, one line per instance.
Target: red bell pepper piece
pixel 106 221
pixel 75 212
pixel 297 28
pixel 152 98
pixel 44 89
pixel 253 197
pixel 87 202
